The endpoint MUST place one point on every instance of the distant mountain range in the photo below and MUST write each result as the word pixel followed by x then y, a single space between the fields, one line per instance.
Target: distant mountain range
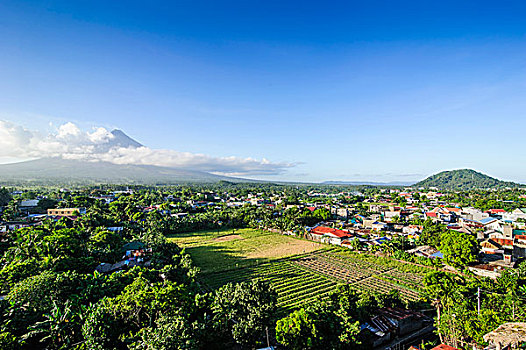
pixel 463 179
pixel 64 171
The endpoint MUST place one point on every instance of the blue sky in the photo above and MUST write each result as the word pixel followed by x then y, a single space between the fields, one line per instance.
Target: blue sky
pixel 383 91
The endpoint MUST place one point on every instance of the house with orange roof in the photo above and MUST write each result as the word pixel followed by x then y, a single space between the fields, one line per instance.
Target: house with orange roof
pixel 439 347
pixel 496 211
pixel 329 235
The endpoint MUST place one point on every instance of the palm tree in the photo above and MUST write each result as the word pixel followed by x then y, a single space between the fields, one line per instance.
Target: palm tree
pixel 58 328
pixel 441 289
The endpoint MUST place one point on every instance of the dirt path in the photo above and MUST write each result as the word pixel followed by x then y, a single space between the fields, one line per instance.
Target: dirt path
pixel 227 238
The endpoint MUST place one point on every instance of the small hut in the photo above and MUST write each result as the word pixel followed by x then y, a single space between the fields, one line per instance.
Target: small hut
pixel 507 336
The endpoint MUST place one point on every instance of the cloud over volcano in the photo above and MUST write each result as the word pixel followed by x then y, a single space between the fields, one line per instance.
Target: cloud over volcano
pixel 68 141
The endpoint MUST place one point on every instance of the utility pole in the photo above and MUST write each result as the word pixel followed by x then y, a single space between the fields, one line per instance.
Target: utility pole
pixel 478 300
pixel 268 343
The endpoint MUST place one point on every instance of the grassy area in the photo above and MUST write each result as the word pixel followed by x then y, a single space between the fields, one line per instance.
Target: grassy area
pixel 215 251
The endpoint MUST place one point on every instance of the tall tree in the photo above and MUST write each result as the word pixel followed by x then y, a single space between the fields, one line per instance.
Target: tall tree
pixel 459 248
pixel 244 310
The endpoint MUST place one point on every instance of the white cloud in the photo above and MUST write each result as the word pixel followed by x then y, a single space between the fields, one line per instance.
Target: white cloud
pixel 68 141
pixel 14 139
pixel 68 130
pixel 100 135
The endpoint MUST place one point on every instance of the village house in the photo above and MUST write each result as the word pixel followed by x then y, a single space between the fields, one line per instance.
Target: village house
pixel 66 211
pixel 28 204
pixel 426 252
pixel 134 254
pixel 389 323
pixel 519 245
pixel 13 225
pixel 495 245
pixel 486 270
pixel 492 269
pixel 508 244
pixel 507 336
pixel 445 215
pixel 520 213
pixel 413 229
pixel 496 213
pixel 490 223
pixel 374 223
pixel 378 226
pixel 376 208
pixel 388 215
pixel 258 201
pixel 342 213
pixel 106 198
pixel 329 235
pixel 433 216
pixel 473 214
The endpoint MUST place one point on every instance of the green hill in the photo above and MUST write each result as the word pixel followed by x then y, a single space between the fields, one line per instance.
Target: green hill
pixel 463 179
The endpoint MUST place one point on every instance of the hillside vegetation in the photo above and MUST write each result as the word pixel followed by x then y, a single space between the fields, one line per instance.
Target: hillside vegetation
pixel 463 179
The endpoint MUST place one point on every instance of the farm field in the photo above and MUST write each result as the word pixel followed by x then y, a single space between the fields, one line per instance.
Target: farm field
pixel 299 270
pixel 367 272
pixel 296 286
pixel 228 249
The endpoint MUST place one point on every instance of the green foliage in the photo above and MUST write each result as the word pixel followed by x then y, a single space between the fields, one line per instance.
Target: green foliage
pixel 356 244
pixel 297 330
pixel 61 327
pixel 459 248
pixel 105 245
pixel 17 270
pixel 169 333
pixel 46 203
pixel 102 329
pixel 431 233
pixel 5 196
pixel 455 298
pixel 9 341
pixel 334 323
pixel 244 309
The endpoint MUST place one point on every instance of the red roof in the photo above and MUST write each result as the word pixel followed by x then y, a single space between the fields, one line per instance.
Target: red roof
pixel 420 227
pixel 494 211
pixel 311 208
pixel 432 214
pixel 503 241
pixel 320 230
pixel 444 347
